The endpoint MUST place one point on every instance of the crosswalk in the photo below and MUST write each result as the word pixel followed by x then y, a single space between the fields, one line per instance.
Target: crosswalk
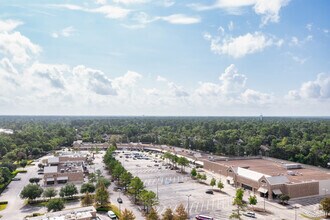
pixel 165 180
pixel 217 208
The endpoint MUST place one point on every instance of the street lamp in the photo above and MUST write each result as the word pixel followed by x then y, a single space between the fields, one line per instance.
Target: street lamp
pixel 188 206
pixel 157 185
pixel 296 206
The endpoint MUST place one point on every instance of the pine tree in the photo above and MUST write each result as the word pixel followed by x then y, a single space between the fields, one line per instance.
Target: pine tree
pixel 127 215
pixel 102 196
pixel 87 200
pixel 153 215
pixel 181 213
pixel 168 214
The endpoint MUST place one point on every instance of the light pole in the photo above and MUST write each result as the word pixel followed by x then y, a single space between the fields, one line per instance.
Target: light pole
pixel 157 185
pixel 296 206
pixel 188 206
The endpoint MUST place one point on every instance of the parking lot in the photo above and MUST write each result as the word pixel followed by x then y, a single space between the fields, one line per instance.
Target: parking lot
pixel 174 188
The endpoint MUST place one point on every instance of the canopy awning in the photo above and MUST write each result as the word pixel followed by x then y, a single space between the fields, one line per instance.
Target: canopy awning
pixel 262 190
pixel 50 179
pixel 62 178
pixel 277 192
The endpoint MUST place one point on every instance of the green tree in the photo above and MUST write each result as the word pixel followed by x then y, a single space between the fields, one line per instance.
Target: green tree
pixel 284 198
pixel 103 181
pixel 31 192
pixel 203 177
pixel 49 192
pixel 135 187
pixel 213 182
pixel 153 215
pixel 92 178
pixel 168 214
pixel 125 179
pixel 102 196
pixel 127 215
pixel 253 200
pixel 199 176
pixel 34 180
pixel 193 172
pixel 148 198
pixel 220 185
pixel 180 213
pixel 325 206
pixel 5 175
pixel 55 205
pixel 87 187
pixel 239 203
pixel 68 190
pixel 87 200
pixel 23 163
pixel 183 162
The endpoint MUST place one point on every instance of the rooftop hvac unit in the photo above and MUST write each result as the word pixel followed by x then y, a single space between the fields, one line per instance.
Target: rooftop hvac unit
pixel 291 166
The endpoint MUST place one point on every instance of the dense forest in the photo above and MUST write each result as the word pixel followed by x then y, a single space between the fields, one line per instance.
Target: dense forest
pixel 305 140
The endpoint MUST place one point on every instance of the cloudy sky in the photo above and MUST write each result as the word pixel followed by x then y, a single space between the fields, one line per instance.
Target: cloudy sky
pixel 165 57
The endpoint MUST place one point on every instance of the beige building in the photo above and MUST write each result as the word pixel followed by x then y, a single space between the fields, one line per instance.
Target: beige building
pixel 80 145
pixel 84 213
pixel 64 169
pixel 271 178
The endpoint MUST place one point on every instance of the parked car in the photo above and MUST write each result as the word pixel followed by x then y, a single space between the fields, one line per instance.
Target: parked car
pixel 119 200
pixel 209 191
pixel 112 215
pixel 16 179
pixel 203 217
pixel 250 214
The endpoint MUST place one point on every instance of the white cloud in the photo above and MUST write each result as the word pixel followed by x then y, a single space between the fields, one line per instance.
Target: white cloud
pixel 8 66
pixel 128 80
pixel 177 90
pixel 309 26
pixel 9 25
pixel 66 32
pixel 268 9
pixel 112 12
pixel 101 2
pixel 318 89
pixel 232 89
pixel 153 92
pixel 94 80
pixel 161 79
pixel 15 46
pixel 54 74
pixel 296 42
pixel 231 26
pixel 128 2
pixel 181 19
pixel 168 3
pixel 242 45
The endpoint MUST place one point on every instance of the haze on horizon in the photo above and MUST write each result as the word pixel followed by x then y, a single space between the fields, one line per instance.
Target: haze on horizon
pixel 165 57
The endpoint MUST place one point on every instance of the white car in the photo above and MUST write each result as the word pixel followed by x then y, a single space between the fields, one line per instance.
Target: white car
pixel 112 215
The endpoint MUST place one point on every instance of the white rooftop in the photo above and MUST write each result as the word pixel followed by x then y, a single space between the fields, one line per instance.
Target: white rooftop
pixel 253 175
pixel 53 160
pixel 50 169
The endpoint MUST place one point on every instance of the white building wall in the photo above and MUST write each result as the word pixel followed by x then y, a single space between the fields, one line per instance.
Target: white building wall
pixel 324 187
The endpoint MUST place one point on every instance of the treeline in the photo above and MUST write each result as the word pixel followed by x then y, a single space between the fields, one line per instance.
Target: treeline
pixel 305 140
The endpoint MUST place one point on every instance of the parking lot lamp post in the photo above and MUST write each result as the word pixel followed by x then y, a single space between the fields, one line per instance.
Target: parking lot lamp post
pixel 188 206
pixel 157 186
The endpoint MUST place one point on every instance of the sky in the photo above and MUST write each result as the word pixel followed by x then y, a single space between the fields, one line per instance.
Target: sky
pixel 165 57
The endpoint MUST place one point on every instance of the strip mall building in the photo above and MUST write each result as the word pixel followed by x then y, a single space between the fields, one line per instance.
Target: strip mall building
pixel 270 177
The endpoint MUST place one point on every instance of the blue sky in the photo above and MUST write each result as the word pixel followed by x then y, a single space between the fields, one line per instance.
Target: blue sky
pixel 165 57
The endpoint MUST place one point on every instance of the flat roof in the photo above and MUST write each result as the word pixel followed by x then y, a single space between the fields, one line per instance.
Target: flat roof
pixel 275 168
pixel 50 169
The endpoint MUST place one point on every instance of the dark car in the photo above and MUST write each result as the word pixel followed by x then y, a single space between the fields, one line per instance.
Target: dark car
pixel 119 200
pixel 209 191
